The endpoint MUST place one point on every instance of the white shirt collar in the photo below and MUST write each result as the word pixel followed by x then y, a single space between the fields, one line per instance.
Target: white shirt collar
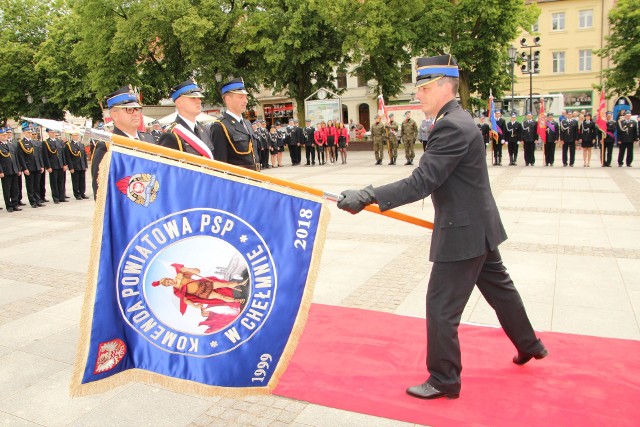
pixel 191 124
pixel 235 116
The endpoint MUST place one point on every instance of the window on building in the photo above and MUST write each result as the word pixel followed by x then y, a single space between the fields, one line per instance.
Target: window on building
pixel 557 21
pixel 535 27
pixel 341 82
pixel 584 60
pixel 558 62
pixel 407 76
pixel 585 19
pixel 362 81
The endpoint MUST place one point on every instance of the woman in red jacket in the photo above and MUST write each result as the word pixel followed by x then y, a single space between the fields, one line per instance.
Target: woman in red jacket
pixel 320 138
pixel 332 140
pixel 343 141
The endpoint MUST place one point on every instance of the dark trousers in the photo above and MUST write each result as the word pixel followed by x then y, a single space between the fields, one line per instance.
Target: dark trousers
pixel 79 183
pixel 264 158
pixel 512 146
pixel 32 182
pixel 310 153
pixel 450 286
pixel 56 182
pixel 549 153
pixel 10 188
pixel 320 149
pixel 608 153
pixel 529 152
pixel 43 186
pixel 571 148
pixel 628 147
pixel 497 153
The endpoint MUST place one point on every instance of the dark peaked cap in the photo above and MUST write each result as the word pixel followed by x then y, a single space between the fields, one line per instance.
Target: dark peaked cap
pixel 434 68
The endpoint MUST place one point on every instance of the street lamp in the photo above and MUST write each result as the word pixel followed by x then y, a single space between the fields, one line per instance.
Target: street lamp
pixel 531 65
pixel 513 53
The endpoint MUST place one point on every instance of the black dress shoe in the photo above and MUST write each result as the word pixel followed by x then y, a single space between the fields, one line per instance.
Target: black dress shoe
pixel 34 205
pixel 9 209
pixel 522 358
pixel 22 204
pixel 427 391
pixel 56 201
pixel 78 198
pixel 15 208
pixel 84 197
pixel 45 200
pixel 63 200
pixel 40 204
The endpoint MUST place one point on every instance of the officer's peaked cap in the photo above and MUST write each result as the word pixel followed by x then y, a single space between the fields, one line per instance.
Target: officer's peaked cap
pixel 188 88
pixel 125 97
pixel 434 68
pixel 234 86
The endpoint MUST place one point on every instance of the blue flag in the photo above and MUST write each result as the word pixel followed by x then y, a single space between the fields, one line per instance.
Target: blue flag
pixel 195 275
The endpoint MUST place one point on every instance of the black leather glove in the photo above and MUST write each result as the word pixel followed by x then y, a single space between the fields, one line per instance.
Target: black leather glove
pixel 353 201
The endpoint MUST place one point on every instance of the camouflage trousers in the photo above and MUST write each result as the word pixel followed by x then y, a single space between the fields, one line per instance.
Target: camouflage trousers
pixel 408 150
pixel 393 149
pixel 378 148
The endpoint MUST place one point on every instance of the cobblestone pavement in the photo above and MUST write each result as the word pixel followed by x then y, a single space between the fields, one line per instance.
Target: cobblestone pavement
pixel 573 249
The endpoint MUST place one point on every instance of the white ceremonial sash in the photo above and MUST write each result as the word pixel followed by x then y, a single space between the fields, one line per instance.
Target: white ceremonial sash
pixel 191 139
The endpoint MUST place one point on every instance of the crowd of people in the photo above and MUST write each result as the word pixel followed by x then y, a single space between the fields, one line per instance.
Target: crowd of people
pixel 573 131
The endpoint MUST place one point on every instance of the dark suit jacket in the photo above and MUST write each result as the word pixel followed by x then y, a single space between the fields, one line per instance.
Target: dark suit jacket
pixel 77 156
pixel 238 149
pixel 454 172
pixel 29 161
pixel 9 164
pixel 170 139
pixel 52 154
pixel 101 149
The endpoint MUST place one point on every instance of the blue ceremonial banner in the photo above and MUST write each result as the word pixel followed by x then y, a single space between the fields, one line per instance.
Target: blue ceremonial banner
pixel 199 281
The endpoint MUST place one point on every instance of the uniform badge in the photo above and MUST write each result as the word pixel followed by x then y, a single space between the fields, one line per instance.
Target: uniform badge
pixel 110 353
pixel 141 188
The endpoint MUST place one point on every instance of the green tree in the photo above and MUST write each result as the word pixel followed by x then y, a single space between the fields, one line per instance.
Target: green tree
pixel 623 48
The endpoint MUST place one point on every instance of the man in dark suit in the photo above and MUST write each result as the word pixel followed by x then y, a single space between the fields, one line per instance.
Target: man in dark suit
pixel 627 136
pixel 529 137
pixel 609 140
pixel 32 165
pixel 232 137
pixel 9 173
pixel 568 136
pixel 498 143
pixel 126 113
pixel 55 163
pixel 77 165
pixel 514 138
pixel 309 143
pixel 185 133
pixel 156 130
pixel 466 234
pixel 552 137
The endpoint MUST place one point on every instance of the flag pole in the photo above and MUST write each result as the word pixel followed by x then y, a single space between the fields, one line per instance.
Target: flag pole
pixel 236 170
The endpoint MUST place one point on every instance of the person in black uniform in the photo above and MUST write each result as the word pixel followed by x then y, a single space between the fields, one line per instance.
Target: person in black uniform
pixel 126 113
pixel 568 136
pixel 627 135
pixel 608 140
pixel 263 147
pixel 498 143
pixel 9 172
pixel 466 234
pixel 231 135
pixel 55 163
pixel 77 165
pixel 156 130
pixel 297 141
pixel 185 133
pixel 309 144
pixel 552 137
pixel 587 135
pixel 513 138
pixel 529 137
pixel 32 165
pixel 484 130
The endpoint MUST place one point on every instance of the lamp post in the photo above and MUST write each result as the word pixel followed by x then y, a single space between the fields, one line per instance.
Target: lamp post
pixel 531 65
pixel 513 53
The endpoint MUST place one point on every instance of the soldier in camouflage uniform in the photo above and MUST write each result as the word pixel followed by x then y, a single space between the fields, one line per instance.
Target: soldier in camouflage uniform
pixel 392 137
pixel 378 135
pixel 408 134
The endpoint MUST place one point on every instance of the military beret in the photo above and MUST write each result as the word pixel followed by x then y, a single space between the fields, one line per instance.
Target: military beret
pixel 407 112
pixel 435 67
pixel 124 97
pixel 234 86
pixel 514 114
pixel 390 114
pixel 188 88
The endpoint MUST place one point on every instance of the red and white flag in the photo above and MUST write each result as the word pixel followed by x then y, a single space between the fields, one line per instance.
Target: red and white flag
pixel 382 111
pixel 542 123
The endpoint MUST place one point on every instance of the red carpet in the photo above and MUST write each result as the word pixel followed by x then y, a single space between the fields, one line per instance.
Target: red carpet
pixel 362 361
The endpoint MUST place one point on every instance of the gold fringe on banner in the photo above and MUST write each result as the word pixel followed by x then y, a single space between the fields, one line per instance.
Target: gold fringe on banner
pixel 178 385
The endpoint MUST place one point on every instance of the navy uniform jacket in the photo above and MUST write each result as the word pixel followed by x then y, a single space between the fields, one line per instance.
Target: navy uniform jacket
pixel 484 129
pixel 611 128
pixel 172 140
pixel 53 155
pixel 236 145
pixel 467 222
pixel 588 131
pixel 156 134
pixel 627 131
pixel 501 124
pixel 77 156
pixel 29 155
pixel 101 149
pixel 308 135
pixel 569 130
pixel 552 134
pixel 8 159
pixel 529 130
pixel 514 132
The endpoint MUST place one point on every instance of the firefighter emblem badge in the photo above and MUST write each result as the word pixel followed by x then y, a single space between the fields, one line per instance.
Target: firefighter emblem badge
pixel 140 188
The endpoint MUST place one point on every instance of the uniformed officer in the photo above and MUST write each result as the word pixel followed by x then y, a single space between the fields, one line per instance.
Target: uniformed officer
pixel 185 133
pixel 568 136
pixel 310 153
pixel 156 130
pixel 55 164
pixel 378 135
pixel 529 137
pixel 77 165
pixel 296 143
pixel 32 165
pixel 9 173
pixel 126 114
pixel 500 140
pixel 609 140
pixel 484 130
pixel 627 135
pixel 231 135
pixel 513 138
pixel 408 135
pixel 392 139
pixel 552 137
